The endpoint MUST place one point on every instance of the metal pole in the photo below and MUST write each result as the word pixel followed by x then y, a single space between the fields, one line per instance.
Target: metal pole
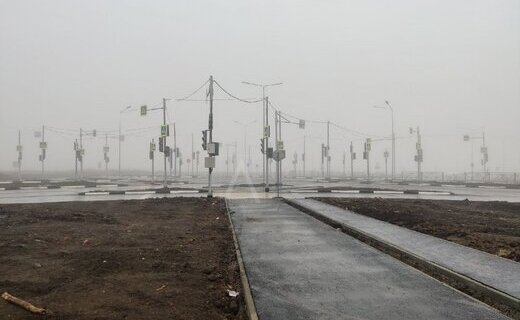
pixel 175 150
pixel 264 157
pixel 351 160
pixel 304 156
pixel 106 162
pixel 76 159
pixel 210 127
pixel 266 101
pixel 81 152
pixel 328 148
pixel 43 153
pixel 393 145
pixel 19 156
pixel 192 155
pixel 119 148
pixel 277 162
pixel 165 182
pixel 153 165
pixel 419 160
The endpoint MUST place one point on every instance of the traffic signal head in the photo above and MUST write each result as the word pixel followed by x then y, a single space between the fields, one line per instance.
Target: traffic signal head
pixel 204 139
pixel 262 145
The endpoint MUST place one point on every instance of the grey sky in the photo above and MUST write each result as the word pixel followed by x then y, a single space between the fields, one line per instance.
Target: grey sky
pixel 449 66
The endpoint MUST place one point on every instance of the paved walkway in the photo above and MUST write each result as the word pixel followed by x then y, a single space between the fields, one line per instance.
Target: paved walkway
pixel 498 273
pixel 300 268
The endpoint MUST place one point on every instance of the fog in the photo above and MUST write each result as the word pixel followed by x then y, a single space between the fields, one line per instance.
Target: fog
pixel 449 67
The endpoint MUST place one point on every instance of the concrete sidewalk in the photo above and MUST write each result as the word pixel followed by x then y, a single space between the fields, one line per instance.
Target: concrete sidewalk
pixel 300 268
pixel 498 274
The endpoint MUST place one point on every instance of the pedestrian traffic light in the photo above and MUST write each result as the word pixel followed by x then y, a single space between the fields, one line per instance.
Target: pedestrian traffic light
pixel 204 139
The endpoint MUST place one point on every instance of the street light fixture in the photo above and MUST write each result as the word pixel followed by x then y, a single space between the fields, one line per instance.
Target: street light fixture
pixel 265 128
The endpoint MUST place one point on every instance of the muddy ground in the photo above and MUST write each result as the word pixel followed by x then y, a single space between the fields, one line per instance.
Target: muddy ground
pixel 142 259
pixel 490 226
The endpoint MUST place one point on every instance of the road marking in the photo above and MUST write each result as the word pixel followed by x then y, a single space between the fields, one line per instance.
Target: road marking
pixel 96 193
pixel 345 191
pixel 105 185
pixel 388 192
pixel 140 192
pixel 184 191
pixel 32 188
pixel 73 187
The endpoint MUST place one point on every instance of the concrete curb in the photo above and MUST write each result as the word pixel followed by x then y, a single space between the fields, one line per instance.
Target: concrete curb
pixel 248 296
pixel 504 302
pixel 137 192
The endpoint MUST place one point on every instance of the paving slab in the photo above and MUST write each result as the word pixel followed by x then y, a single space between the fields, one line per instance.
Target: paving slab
pixel 492 271
pixel 301 268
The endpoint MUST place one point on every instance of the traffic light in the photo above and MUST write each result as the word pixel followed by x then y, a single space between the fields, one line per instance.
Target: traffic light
pixel 204 139
pixel 262 146
pixel 161 144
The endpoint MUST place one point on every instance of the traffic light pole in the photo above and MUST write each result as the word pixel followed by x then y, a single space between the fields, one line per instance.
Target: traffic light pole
pixel 165 182
pixel 304 155
pixel 210 128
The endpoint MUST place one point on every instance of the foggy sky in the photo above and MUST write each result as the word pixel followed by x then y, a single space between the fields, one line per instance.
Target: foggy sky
pixel 450 67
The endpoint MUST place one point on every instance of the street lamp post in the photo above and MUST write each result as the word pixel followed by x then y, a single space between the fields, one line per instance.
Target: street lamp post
pixel 393 135
pixel 265 126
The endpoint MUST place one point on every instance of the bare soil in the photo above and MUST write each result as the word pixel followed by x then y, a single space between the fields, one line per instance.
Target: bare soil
pixel 490 226
pixel 170 258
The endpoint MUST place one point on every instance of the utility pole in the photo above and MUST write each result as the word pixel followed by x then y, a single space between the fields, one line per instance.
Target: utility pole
pixel 106 148
pixel 366 155
pixel 419 156
pixel 19 148
pixel 152 151
pixel 211 147
pixel 43 148
pixel 352 158
pixel 323 155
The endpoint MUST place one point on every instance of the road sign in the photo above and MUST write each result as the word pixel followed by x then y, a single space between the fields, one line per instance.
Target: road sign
pixel 213 149
pixel 165 130
pixel 144 109
pixel 209 162
pixel 43 145
pixel 279 155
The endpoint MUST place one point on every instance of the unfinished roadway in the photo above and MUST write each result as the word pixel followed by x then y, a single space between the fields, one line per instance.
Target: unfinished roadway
pixel 301 268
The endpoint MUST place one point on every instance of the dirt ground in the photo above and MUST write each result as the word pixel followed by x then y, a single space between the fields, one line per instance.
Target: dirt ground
pixel 490 226
pixel 141 259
